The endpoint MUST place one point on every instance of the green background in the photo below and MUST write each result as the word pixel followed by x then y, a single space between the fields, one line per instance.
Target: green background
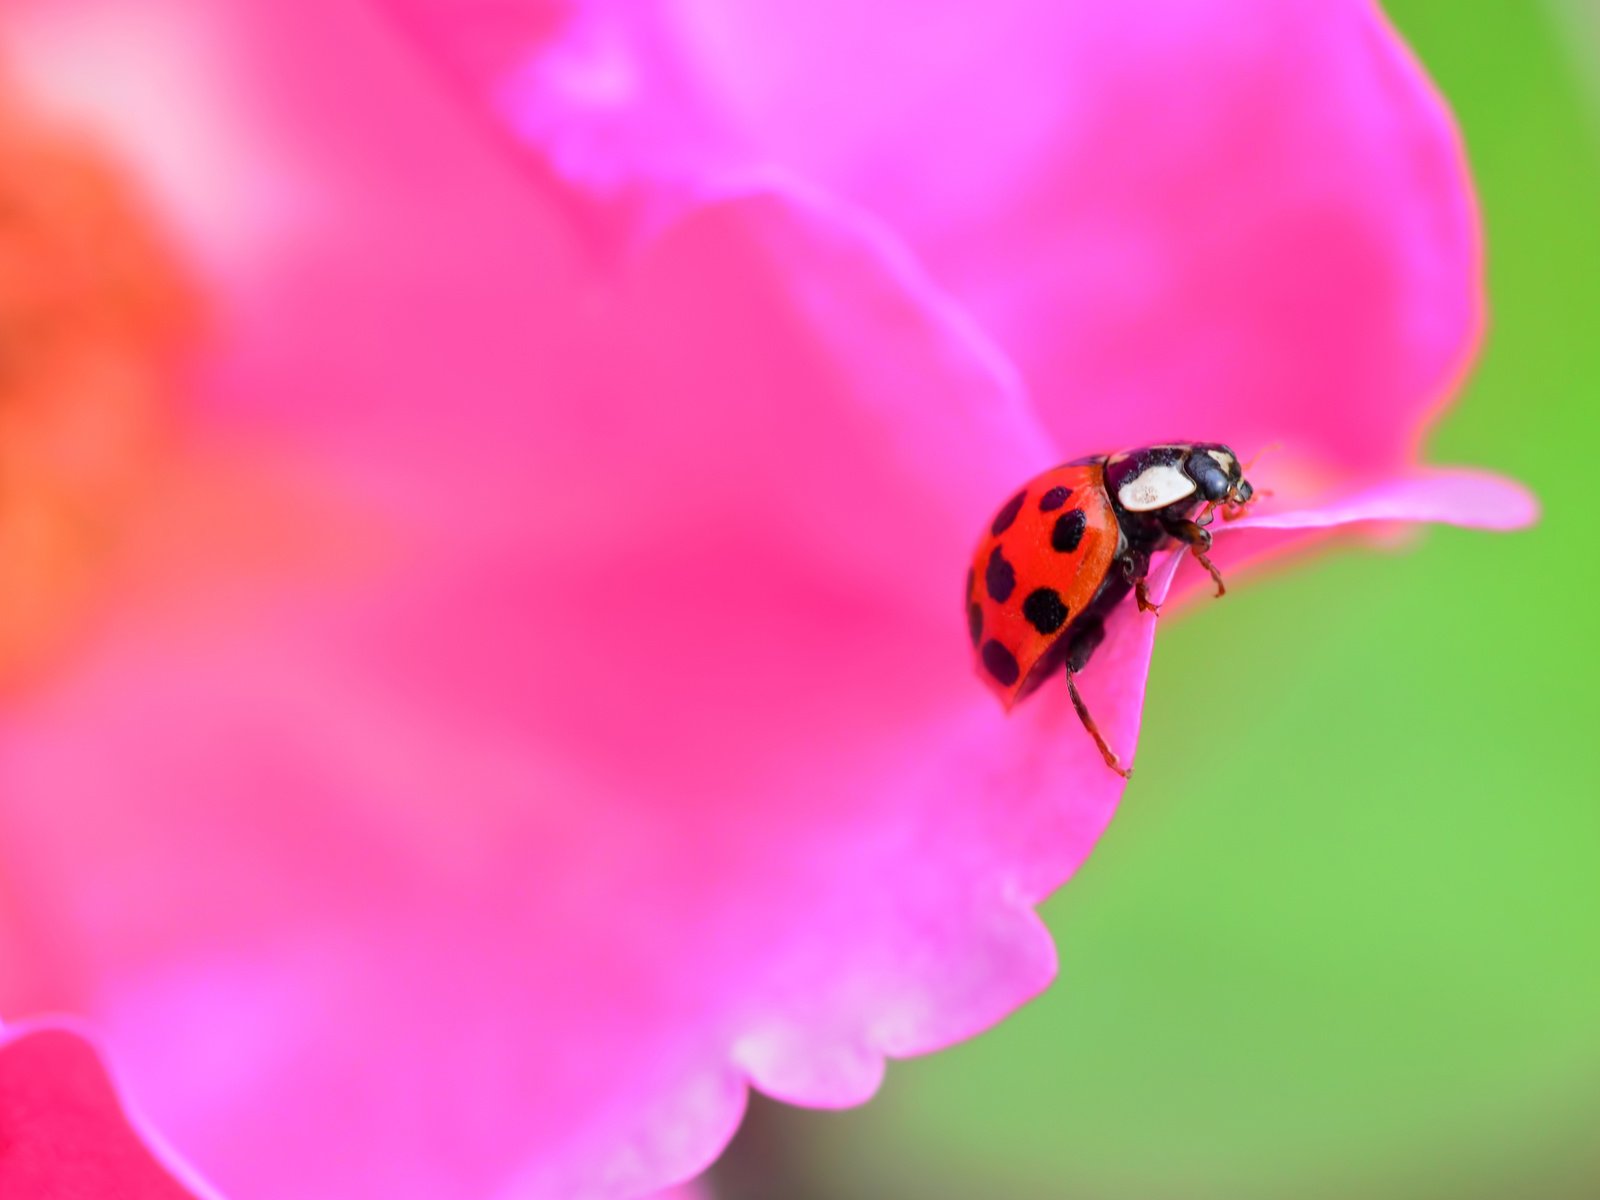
pixel 1342 938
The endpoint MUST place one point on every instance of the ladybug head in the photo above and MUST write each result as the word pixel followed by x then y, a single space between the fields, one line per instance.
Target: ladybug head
pixel 1216 470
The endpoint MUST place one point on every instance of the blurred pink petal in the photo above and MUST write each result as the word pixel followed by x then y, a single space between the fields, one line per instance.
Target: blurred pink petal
pixel 1374 512
pixel 431 857
pixel 63 1131
pixel 536 705
pixel 1472 498
pixel 1246 219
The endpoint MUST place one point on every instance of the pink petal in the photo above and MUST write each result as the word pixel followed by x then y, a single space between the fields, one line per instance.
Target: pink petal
pixel 560 714
pixel 393 879
pixel 337 839
pixel 1473 499
pixel 1470 499
pixel 63 1131
pixel 1247 220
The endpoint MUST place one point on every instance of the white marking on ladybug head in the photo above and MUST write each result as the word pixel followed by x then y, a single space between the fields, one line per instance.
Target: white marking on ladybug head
pixel 1155 487
pixel 1224 460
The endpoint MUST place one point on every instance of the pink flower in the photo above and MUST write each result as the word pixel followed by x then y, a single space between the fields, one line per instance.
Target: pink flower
pixel 528 703
pixel 63 1131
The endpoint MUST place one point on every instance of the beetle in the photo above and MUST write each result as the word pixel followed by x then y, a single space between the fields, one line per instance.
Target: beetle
pixel 1070 546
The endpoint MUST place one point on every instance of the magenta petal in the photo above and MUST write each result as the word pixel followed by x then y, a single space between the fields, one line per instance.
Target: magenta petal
pixel 64 1133
pixel 1449 496
pixel 630 751
pixel 1474 499
pixel 1247 220
pixel 640 758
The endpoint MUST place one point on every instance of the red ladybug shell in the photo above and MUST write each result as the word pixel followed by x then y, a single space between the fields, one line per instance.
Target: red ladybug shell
pixel 1038 566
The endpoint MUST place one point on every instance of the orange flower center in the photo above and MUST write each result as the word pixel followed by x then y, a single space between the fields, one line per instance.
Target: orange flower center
pixel 93 311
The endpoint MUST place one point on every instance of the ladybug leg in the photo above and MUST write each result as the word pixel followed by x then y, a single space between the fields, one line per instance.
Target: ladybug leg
pixel 1134 569
pixel 1094 731
pixel 1199 541
pixel 1222 588
pixel 1232 512
pixel 1084 641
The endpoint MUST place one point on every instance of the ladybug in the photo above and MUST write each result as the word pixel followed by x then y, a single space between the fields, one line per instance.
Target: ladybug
pixel 1069 547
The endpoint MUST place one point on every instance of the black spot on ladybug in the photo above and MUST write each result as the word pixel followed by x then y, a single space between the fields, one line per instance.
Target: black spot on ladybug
pixel 999 577
pixel 975 622
pixel 1008 514
pixel 1045 610
pixel 971 579
pixel 1000 662
pixel 1069 531
pixel 1054 499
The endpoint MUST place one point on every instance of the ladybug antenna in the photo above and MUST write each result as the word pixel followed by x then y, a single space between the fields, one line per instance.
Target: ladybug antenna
pixel 1269 448
pixel 1235 506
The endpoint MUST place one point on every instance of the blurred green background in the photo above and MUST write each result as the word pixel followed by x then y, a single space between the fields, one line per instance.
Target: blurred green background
pixel 1345 938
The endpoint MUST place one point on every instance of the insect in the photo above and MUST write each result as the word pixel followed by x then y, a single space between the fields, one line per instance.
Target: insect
pixel 1069 547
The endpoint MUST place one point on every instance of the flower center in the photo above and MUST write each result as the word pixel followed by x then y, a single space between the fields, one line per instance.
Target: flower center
pixel 93 311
